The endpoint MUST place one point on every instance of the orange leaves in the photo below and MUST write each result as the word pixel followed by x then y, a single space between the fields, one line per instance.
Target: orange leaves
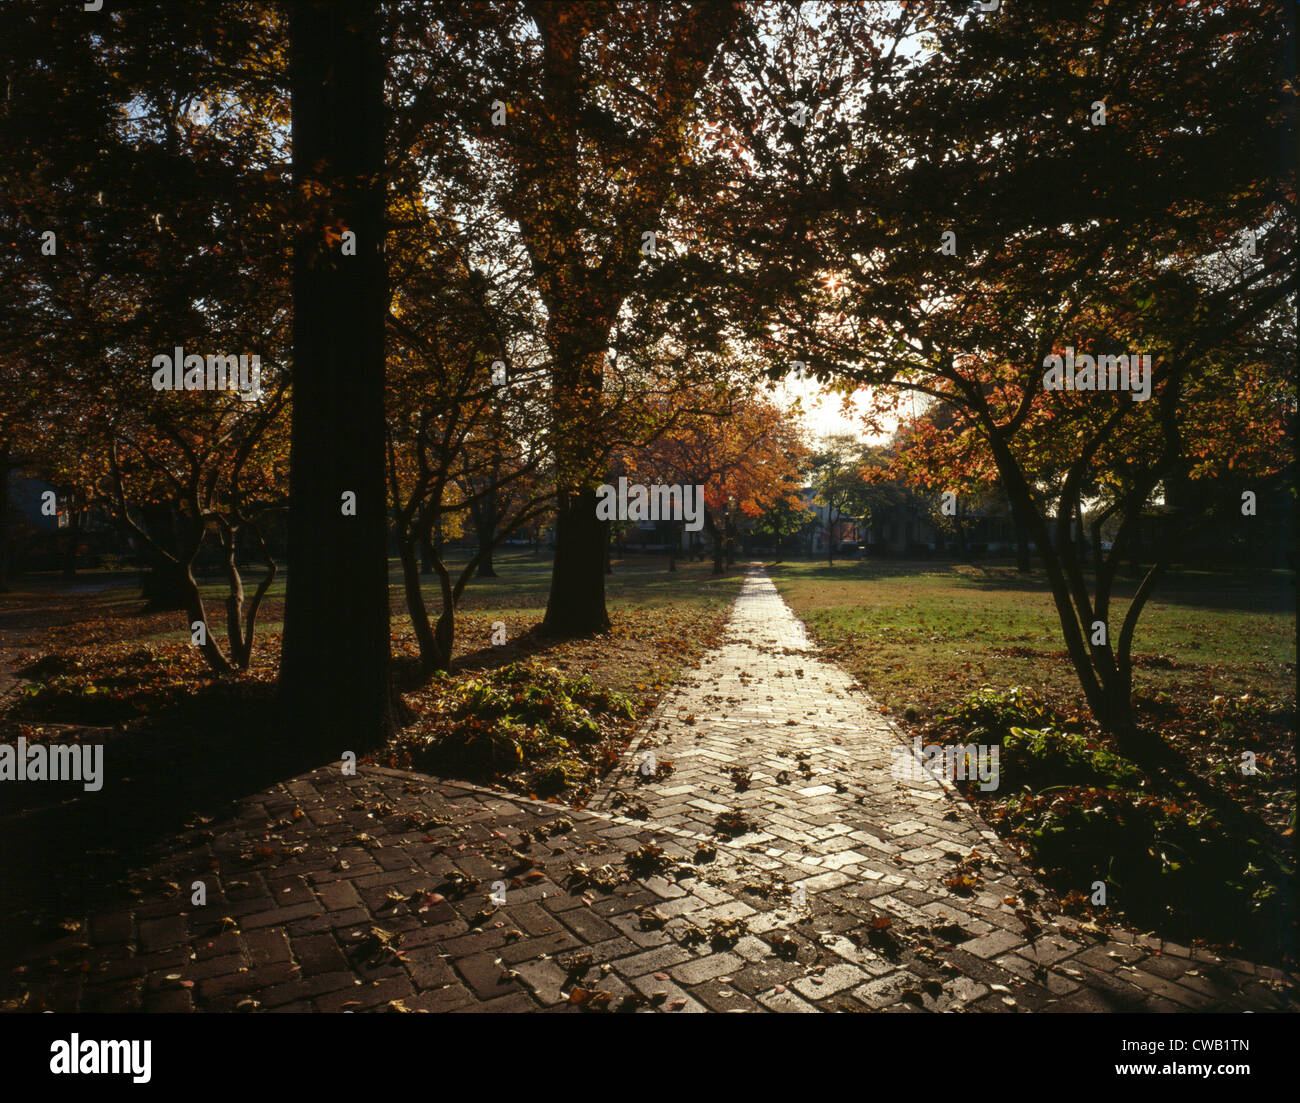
pixel 743 448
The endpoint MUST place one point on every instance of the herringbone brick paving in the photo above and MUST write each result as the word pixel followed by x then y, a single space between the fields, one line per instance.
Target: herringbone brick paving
pixel 395 891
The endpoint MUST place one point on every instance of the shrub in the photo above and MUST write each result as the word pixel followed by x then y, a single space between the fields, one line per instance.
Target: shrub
pixel 991 714
pixel 1164 862
pixel 522 714
pixel 1042 758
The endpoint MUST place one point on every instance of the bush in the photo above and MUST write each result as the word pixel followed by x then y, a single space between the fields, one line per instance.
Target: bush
pixel 522 714
pixel 1083 812
pixel 1165 863
pixel 991 714
pixel 1042 758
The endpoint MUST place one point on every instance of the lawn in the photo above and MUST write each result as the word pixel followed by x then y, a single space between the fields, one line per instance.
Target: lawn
pixel 662 622
pixel 91 657
pixel 659 617
pixel 920 636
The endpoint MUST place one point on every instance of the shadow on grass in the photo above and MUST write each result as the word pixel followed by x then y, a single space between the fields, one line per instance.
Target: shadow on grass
pixel 987 575
pixel 1241 589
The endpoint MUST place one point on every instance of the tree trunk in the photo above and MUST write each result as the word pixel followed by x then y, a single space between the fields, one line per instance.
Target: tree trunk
pixel 1023 563
pixel 241 622
pixel 484 513
pixel 209 648
pixel 244 657
pixel 234 596
pixel 162 586
pixel 576 606
pixel 1065 581
pixel 716 536
pixel 335 686
pixel 431 656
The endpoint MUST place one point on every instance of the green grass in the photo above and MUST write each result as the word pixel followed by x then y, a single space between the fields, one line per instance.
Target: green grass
pixel 638 580
pixel 922 635
pixel 661 622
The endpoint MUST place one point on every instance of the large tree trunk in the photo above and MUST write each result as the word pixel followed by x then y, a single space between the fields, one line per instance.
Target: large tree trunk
pixel 163 588
pixel 163 585
pixel 335 671
pixel 576 606
pixel 484 512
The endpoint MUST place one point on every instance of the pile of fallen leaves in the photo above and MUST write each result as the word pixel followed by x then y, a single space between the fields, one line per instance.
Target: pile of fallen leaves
pixel 525 726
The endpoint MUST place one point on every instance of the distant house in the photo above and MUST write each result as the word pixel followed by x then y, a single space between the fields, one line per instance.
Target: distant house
pixel 904 523
pixel 44 540
pixel 659 536
pixel 902 532
pixel 848 530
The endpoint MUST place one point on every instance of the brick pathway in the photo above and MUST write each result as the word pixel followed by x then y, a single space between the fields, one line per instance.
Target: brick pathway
pixel 375 891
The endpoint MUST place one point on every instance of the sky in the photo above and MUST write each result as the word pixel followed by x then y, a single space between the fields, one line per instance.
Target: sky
pixel 823 412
